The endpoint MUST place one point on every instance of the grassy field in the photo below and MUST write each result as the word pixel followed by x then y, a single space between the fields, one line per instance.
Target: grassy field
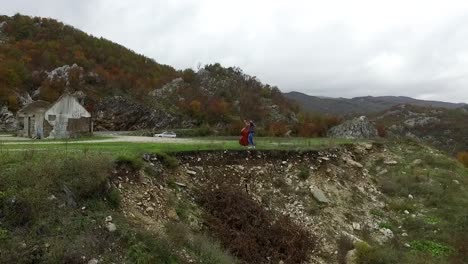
pixel 196 144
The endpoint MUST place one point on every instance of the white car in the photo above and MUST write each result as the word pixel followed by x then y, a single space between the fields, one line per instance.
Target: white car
pixel 166 134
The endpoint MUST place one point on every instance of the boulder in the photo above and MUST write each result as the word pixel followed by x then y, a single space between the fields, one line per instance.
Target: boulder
pixel 352 162
pixel 120 113
pixel 359 127
pixel 93 261
pixel 111 227
pixel 319 195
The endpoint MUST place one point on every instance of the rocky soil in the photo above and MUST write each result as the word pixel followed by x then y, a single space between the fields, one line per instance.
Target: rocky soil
pixel 331 193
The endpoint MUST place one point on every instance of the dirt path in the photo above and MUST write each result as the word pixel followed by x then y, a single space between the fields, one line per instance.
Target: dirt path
pixel 10 140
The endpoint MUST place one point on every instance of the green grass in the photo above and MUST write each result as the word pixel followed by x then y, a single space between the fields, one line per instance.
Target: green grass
pixel 437 224
pixel 198 144
pixel 86 138
pixel 431 247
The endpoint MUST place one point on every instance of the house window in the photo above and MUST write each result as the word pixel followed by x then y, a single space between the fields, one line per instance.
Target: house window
pixel 52 117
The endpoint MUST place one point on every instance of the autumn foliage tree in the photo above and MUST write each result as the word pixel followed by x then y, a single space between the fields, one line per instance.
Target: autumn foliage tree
pixel 313 125
pixel 213 95
pixel 381 130
pixel 462 157
pixel 34 44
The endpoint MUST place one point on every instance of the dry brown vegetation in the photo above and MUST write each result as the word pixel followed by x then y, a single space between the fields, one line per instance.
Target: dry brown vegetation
pixel 462 157
pixel 250 232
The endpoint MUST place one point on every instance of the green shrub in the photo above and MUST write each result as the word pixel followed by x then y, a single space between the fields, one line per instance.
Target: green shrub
pixel 434 248
pixel 134 162
pixel 151 249
pixel 139 254
pixel 345 244
pixel 400 205
pixel 387 226
pixel 114 198
pixel 304 173
pixel 209 251
pixel 178 233
pixel 376 255
pixel 85 176
pixel 168 160
pixel 377 212
pixel 3 234
pixel 415 225
pixel 205 249
pixel 19 211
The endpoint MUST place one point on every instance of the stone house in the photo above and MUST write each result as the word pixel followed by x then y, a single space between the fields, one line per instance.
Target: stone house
pixel 63 119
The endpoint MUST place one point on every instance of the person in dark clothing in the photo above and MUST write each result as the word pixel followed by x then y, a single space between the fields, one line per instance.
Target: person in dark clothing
pixel 251 134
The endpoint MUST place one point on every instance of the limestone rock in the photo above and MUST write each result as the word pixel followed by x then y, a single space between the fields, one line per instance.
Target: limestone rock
pixel 93 261
pixel 351 257
pixel 356 226
pixel 352 162
pixel 359 127
pixel 7 120
pixel 119 113
pixel 111 227
pixel 390 162
pixel 387 234
pixel 319 195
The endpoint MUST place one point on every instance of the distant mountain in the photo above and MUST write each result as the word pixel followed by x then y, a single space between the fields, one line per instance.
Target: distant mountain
pixel 361 105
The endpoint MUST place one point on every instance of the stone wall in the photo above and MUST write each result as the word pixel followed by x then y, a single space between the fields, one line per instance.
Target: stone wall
pixel 81 126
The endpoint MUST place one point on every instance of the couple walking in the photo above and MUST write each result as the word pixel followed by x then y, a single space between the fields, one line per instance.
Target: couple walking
pixel 247 134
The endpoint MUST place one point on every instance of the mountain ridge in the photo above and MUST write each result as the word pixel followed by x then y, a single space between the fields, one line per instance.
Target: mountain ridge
pixel 361 104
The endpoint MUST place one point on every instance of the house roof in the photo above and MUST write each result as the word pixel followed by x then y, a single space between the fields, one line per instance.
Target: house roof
pixel 57 105
pixel 34 107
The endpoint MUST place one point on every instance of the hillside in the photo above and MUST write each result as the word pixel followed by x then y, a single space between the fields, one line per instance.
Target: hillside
pixel 363 203
pixel 440 127
pixel 360 105
pixel 42 58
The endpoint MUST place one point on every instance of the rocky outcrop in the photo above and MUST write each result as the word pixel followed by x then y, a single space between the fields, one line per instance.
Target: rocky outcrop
pixel 359 127
pixel 119 114
pixel 442 128
pixel 7 120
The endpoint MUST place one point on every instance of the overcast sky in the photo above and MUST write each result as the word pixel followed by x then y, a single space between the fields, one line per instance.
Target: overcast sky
pixel 346 48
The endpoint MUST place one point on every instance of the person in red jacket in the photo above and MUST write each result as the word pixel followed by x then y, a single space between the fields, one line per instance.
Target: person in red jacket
pixel 244 139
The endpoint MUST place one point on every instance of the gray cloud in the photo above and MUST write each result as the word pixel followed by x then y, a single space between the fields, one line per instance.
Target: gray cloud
pixel 335 48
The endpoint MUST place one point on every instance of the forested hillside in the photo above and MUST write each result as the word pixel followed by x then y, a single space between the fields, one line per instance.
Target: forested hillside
pixel 42 58
pixel 33 46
